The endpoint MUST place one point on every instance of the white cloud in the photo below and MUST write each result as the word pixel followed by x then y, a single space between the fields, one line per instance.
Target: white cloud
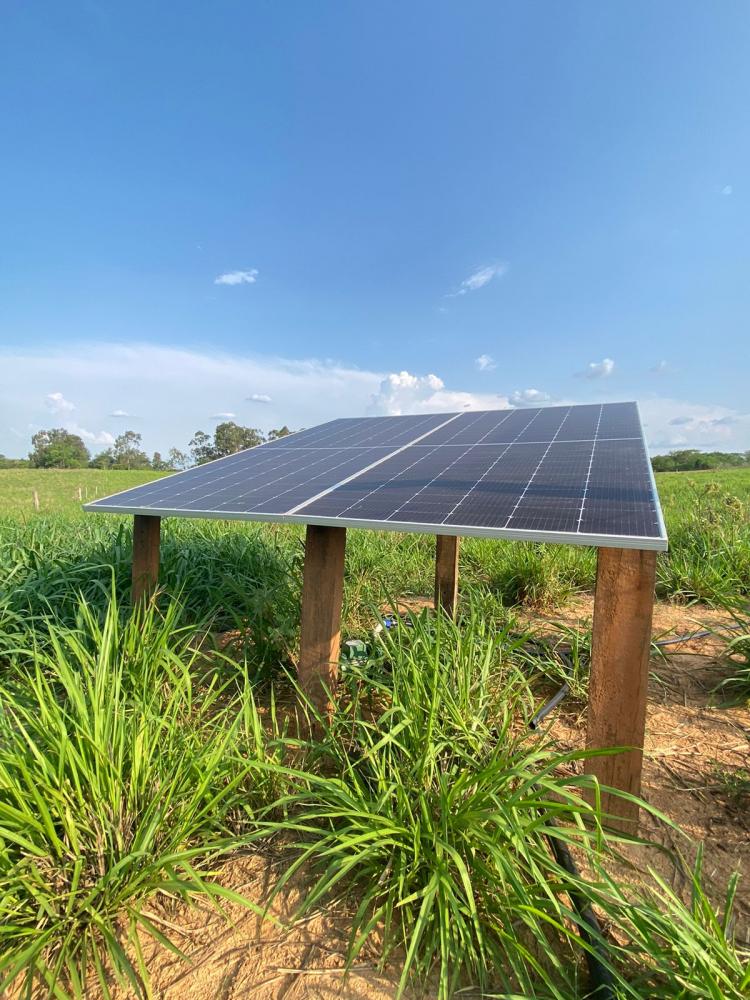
pixel 58 404
pixel 481 277
pixel 485 363
pixel 170 388
pixel 598 369
pixel 91 437
pixel 675 423
pixel 238 277
pixel 120 413
pixel 223 416
pixel 727 189
pixel 529 397
pixel 661 368
pixel 401 392
pixel 61 408
pixel 258 397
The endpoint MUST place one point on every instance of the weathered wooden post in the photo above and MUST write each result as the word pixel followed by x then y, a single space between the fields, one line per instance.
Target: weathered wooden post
pixel 446 573
pixel 618 686
pixel 322 594
pixel 146 538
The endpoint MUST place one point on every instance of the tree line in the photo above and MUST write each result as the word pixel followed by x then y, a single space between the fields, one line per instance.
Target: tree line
pixel 692 460
pixel 58 448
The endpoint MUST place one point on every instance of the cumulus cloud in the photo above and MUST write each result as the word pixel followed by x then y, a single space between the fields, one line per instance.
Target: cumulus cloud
pixel 485 363
pixel 58 404
pixel 402 392
pixel 529 397
pixel 705 427
pixel 673 423
pixel 598 369
pixel 91 437
pixel 170 388
pixel 120 413
pixel 660 368
pixel 481 277
pixel 223 416
pixel 238 277
pixel 258 397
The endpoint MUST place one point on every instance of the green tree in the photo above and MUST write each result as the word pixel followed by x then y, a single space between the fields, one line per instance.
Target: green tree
pixel 202 448
pixel 128 452
pixel 230 438
pixel 58 449
pixel 177 459
pixel 103 460
pixel 691 459
pixel 280 432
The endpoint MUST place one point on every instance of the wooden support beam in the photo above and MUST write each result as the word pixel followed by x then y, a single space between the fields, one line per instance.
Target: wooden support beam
pixel 322 593
pixel 446 573
pixel 146 537
pixel 618 686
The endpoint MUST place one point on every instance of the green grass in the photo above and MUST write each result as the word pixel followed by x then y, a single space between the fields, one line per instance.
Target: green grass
pixel 57 489
pixel 133 757
pixel 123 773
pixel 131 763
pixel 675 487
pixel 707 516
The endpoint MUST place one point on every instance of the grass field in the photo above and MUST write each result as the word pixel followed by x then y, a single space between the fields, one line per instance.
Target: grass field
pixel 58 489
pixel 707 516
pixel 135 754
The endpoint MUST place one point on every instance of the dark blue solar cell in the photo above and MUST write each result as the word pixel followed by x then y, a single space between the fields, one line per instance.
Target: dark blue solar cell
pixel 579 474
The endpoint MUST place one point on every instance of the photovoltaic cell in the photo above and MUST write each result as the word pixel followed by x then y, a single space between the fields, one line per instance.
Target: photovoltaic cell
pixel 578 474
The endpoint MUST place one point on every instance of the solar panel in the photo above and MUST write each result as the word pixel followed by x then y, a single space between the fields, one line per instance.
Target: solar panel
pixel 573 474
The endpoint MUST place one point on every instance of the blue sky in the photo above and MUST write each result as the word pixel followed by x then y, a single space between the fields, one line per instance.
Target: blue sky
pixel 420 206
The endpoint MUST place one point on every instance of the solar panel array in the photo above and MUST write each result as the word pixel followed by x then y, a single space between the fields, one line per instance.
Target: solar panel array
pixel 576 474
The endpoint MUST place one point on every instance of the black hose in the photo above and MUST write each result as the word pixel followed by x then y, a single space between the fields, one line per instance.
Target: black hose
pixel 696 635
pixel 602 984
pixel 600 978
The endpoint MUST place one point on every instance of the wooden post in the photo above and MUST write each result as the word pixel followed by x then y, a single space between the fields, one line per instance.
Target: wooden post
pixel 618 686
pixel 446 573
pixel 322 592
pixel 146 535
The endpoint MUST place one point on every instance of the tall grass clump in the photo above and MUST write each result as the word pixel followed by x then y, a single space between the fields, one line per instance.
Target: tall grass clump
pixel 427 803
pixel 529 572
pixel 709 546
pixel 736 685
pixel 123 773
pixel 434 808
pixel 245 578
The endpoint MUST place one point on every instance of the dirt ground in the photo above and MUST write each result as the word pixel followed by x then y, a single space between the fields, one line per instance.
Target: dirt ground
pixel 694 743
pixel 691 739
pixel 240 955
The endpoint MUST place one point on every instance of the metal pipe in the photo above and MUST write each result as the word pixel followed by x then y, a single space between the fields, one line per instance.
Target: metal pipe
pixel 550 706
